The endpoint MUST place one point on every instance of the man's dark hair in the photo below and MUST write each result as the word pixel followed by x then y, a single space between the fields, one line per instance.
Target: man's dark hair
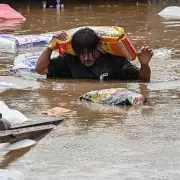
pixel 85 40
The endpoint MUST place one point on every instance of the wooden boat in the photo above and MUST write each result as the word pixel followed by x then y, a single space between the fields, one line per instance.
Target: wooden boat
pixel 35 128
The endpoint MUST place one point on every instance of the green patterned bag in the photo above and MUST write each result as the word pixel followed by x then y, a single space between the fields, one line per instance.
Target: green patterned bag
pixel 114 96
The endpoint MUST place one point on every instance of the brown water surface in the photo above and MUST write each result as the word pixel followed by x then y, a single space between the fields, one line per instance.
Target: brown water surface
pixel 99 142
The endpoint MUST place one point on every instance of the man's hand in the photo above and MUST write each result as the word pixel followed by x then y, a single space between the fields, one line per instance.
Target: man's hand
pixel 145 55
pixel 61 35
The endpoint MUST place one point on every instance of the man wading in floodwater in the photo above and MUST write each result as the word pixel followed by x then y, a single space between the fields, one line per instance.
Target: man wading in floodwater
pixel 91 63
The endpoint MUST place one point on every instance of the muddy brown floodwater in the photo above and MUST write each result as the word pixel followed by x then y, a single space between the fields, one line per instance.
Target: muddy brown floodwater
pixel 98 142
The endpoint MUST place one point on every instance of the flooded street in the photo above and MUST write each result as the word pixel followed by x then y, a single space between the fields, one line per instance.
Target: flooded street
pixel 99 142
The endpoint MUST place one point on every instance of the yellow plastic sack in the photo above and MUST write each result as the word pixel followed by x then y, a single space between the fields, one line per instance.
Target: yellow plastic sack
pixel 113 40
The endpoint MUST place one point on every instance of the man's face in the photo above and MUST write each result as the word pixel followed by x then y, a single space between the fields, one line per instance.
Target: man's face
pixel 88 59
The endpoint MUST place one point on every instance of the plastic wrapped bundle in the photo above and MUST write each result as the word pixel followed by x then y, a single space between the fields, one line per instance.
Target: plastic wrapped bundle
pixel 12 43
pixel 114 96
pixel 12 115
pixel 8 13
pixel 10 174
pixel 5 86
pixel 25 63
pixel 172 12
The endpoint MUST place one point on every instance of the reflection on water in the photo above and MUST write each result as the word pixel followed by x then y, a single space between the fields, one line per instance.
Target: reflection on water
pixel 99 142
pixel 9 25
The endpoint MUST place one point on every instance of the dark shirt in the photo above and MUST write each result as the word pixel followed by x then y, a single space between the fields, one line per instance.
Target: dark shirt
pixel 113 67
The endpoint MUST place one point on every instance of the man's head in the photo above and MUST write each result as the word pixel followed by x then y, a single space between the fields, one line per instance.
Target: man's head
pixel 85 44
